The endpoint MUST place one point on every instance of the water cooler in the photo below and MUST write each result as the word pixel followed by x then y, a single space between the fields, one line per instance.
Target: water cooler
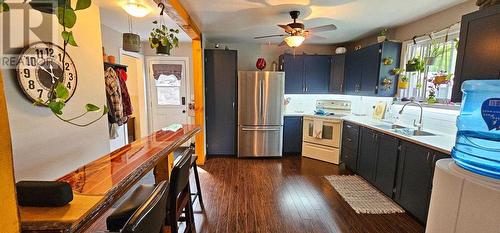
pixel 462 201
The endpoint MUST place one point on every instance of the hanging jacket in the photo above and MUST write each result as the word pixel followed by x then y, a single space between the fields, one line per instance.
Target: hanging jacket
pixel 114 96
pixel 127 105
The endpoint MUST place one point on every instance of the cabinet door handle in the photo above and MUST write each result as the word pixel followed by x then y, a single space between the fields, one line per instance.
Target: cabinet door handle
pixel 349 126
pixel 349 140
pixel 428 155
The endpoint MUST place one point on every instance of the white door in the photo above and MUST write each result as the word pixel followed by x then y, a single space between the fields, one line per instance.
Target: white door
pixel 167 80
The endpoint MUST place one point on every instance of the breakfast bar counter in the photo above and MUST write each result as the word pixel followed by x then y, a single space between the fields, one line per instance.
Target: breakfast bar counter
pixel 100 183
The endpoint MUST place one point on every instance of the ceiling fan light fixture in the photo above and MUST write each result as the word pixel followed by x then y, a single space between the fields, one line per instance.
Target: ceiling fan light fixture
pixel 136 8
pixel 294 41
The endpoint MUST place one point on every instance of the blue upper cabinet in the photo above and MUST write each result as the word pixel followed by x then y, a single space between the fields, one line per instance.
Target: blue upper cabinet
pixel 317 74
pixel 368 70
pixel 294 73
pixel 306 74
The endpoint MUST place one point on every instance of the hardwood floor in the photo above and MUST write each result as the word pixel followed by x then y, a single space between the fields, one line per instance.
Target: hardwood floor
pixel 282 195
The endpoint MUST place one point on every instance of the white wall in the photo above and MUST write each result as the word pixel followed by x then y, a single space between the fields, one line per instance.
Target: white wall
pixel 44 147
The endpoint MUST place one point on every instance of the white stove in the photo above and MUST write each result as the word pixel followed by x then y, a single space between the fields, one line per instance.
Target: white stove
pixel 322 131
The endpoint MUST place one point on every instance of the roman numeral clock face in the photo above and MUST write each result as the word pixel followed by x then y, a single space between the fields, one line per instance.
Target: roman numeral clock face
pixel 40 68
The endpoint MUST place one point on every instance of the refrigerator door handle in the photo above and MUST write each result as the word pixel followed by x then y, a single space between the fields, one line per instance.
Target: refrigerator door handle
pixel 261 97
pixel 260 129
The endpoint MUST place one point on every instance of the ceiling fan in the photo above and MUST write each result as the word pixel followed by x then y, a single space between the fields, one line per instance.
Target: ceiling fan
pixel 295 33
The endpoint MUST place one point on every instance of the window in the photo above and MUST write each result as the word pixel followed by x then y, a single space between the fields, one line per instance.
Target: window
pixel 438 53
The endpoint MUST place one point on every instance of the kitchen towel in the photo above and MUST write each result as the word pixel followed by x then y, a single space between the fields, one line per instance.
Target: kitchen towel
pixel 317 128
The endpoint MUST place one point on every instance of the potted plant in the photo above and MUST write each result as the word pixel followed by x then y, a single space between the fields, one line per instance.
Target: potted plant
pixel 404 82
pixel 163 39
pixel 436 51
pixel 382 35
pixel 415 64
pixel 387 83
pixel 388 61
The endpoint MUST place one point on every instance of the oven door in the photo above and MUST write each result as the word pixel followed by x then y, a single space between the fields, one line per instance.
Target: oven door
pixel 330 133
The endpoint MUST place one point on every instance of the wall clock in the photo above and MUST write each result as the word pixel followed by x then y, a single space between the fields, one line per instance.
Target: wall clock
pixel 40 67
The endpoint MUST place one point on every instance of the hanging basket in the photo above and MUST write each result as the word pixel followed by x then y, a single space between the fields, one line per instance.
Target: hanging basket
pixel 131 42
pixel 163 50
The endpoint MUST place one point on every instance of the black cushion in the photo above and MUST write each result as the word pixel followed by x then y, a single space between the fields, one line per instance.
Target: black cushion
pixel 43 193
pixel 121 215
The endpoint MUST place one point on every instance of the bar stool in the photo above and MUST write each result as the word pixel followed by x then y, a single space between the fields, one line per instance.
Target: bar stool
pixel 197 194
pixel 149 217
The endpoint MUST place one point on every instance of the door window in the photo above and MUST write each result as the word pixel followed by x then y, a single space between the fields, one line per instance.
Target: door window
pixel 168 83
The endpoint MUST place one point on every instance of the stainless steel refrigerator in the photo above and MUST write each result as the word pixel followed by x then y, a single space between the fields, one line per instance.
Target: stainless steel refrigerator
pixel 260 113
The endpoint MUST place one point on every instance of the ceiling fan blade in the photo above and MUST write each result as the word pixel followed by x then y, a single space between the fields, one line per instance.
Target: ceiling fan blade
pixel 316 37
pixel 269 36
pixel 287 28
pixel 324 28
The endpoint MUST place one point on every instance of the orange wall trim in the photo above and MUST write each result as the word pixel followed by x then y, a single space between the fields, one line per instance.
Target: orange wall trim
pixel 9 220
pixel 199 111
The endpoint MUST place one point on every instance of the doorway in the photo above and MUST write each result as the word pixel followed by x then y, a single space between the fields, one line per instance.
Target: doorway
pixel 137 90
pixel 168 88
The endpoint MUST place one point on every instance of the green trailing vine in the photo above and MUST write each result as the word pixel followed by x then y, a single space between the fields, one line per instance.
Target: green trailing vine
pixel 59 94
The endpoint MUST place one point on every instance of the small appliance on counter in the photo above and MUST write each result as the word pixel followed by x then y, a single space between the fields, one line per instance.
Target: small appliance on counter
pixel 260 113
pixel 322 131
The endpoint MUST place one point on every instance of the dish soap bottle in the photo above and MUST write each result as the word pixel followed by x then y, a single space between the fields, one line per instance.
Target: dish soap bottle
pixel 477 146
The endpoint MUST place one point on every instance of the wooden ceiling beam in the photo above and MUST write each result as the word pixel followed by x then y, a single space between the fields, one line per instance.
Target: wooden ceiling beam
pixel 175 10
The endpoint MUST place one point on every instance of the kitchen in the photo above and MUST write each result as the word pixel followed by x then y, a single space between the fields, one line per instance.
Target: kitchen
pixel 251 116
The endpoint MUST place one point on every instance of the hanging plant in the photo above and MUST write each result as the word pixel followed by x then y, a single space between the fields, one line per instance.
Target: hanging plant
pixel 404 82
pixel 59 94
pixel 415 64
pixel 163 39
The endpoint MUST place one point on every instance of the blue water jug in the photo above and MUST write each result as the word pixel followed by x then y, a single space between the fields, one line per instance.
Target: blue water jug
pixel 477 147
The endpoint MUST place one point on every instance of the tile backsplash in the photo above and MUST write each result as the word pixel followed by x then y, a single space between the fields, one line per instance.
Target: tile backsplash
pixel 440 120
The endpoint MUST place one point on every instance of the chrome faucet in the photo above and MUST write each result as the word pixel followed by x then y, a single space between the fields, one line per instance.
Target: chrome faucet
pixel 419 125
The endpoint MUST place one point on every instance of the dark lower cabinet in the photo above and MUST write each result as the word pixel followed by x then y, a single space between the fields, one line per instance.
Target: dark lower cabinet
pixel 400 169
pixel 221 101
pixel 350 139
pixel 367 157
pixel 292 135
pixel 387 159
pixel 414 178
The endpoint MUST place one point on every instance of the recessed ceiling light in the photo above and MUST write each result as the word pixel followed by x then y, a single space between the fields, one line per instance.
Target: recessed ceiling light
pixel 136 8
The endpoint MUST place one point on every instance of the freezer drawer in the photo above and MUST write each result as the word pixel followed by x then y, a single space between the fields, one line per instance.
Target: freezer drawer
pixel 260 141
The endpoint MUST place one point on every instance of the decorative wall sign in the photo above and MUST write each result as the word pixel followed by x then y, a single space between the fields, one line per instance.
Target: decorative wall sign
pixel 40 69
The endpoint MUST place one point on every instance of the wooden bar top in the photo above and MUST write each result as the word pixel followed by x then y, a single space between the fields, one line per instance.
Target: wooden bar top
pixel 97 185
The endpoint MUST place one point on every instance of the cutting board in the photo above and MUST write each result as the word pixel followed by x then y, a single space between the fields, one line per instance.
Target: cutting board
pixel 379 110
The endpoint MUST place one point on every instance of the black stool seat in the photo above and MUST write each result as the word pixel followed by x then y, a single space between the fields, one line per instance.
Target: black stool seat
pixel 121 215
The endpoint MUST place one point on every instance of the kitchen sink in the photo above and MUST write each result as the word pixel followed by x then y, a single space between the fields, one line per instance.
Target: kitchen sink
pixel 404 130
pixel 413 132
pixel 390 126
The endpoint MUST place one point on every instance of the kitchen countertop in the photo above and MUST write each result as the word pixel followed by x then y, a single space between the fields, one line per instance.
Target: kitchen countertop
pixel 440 142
